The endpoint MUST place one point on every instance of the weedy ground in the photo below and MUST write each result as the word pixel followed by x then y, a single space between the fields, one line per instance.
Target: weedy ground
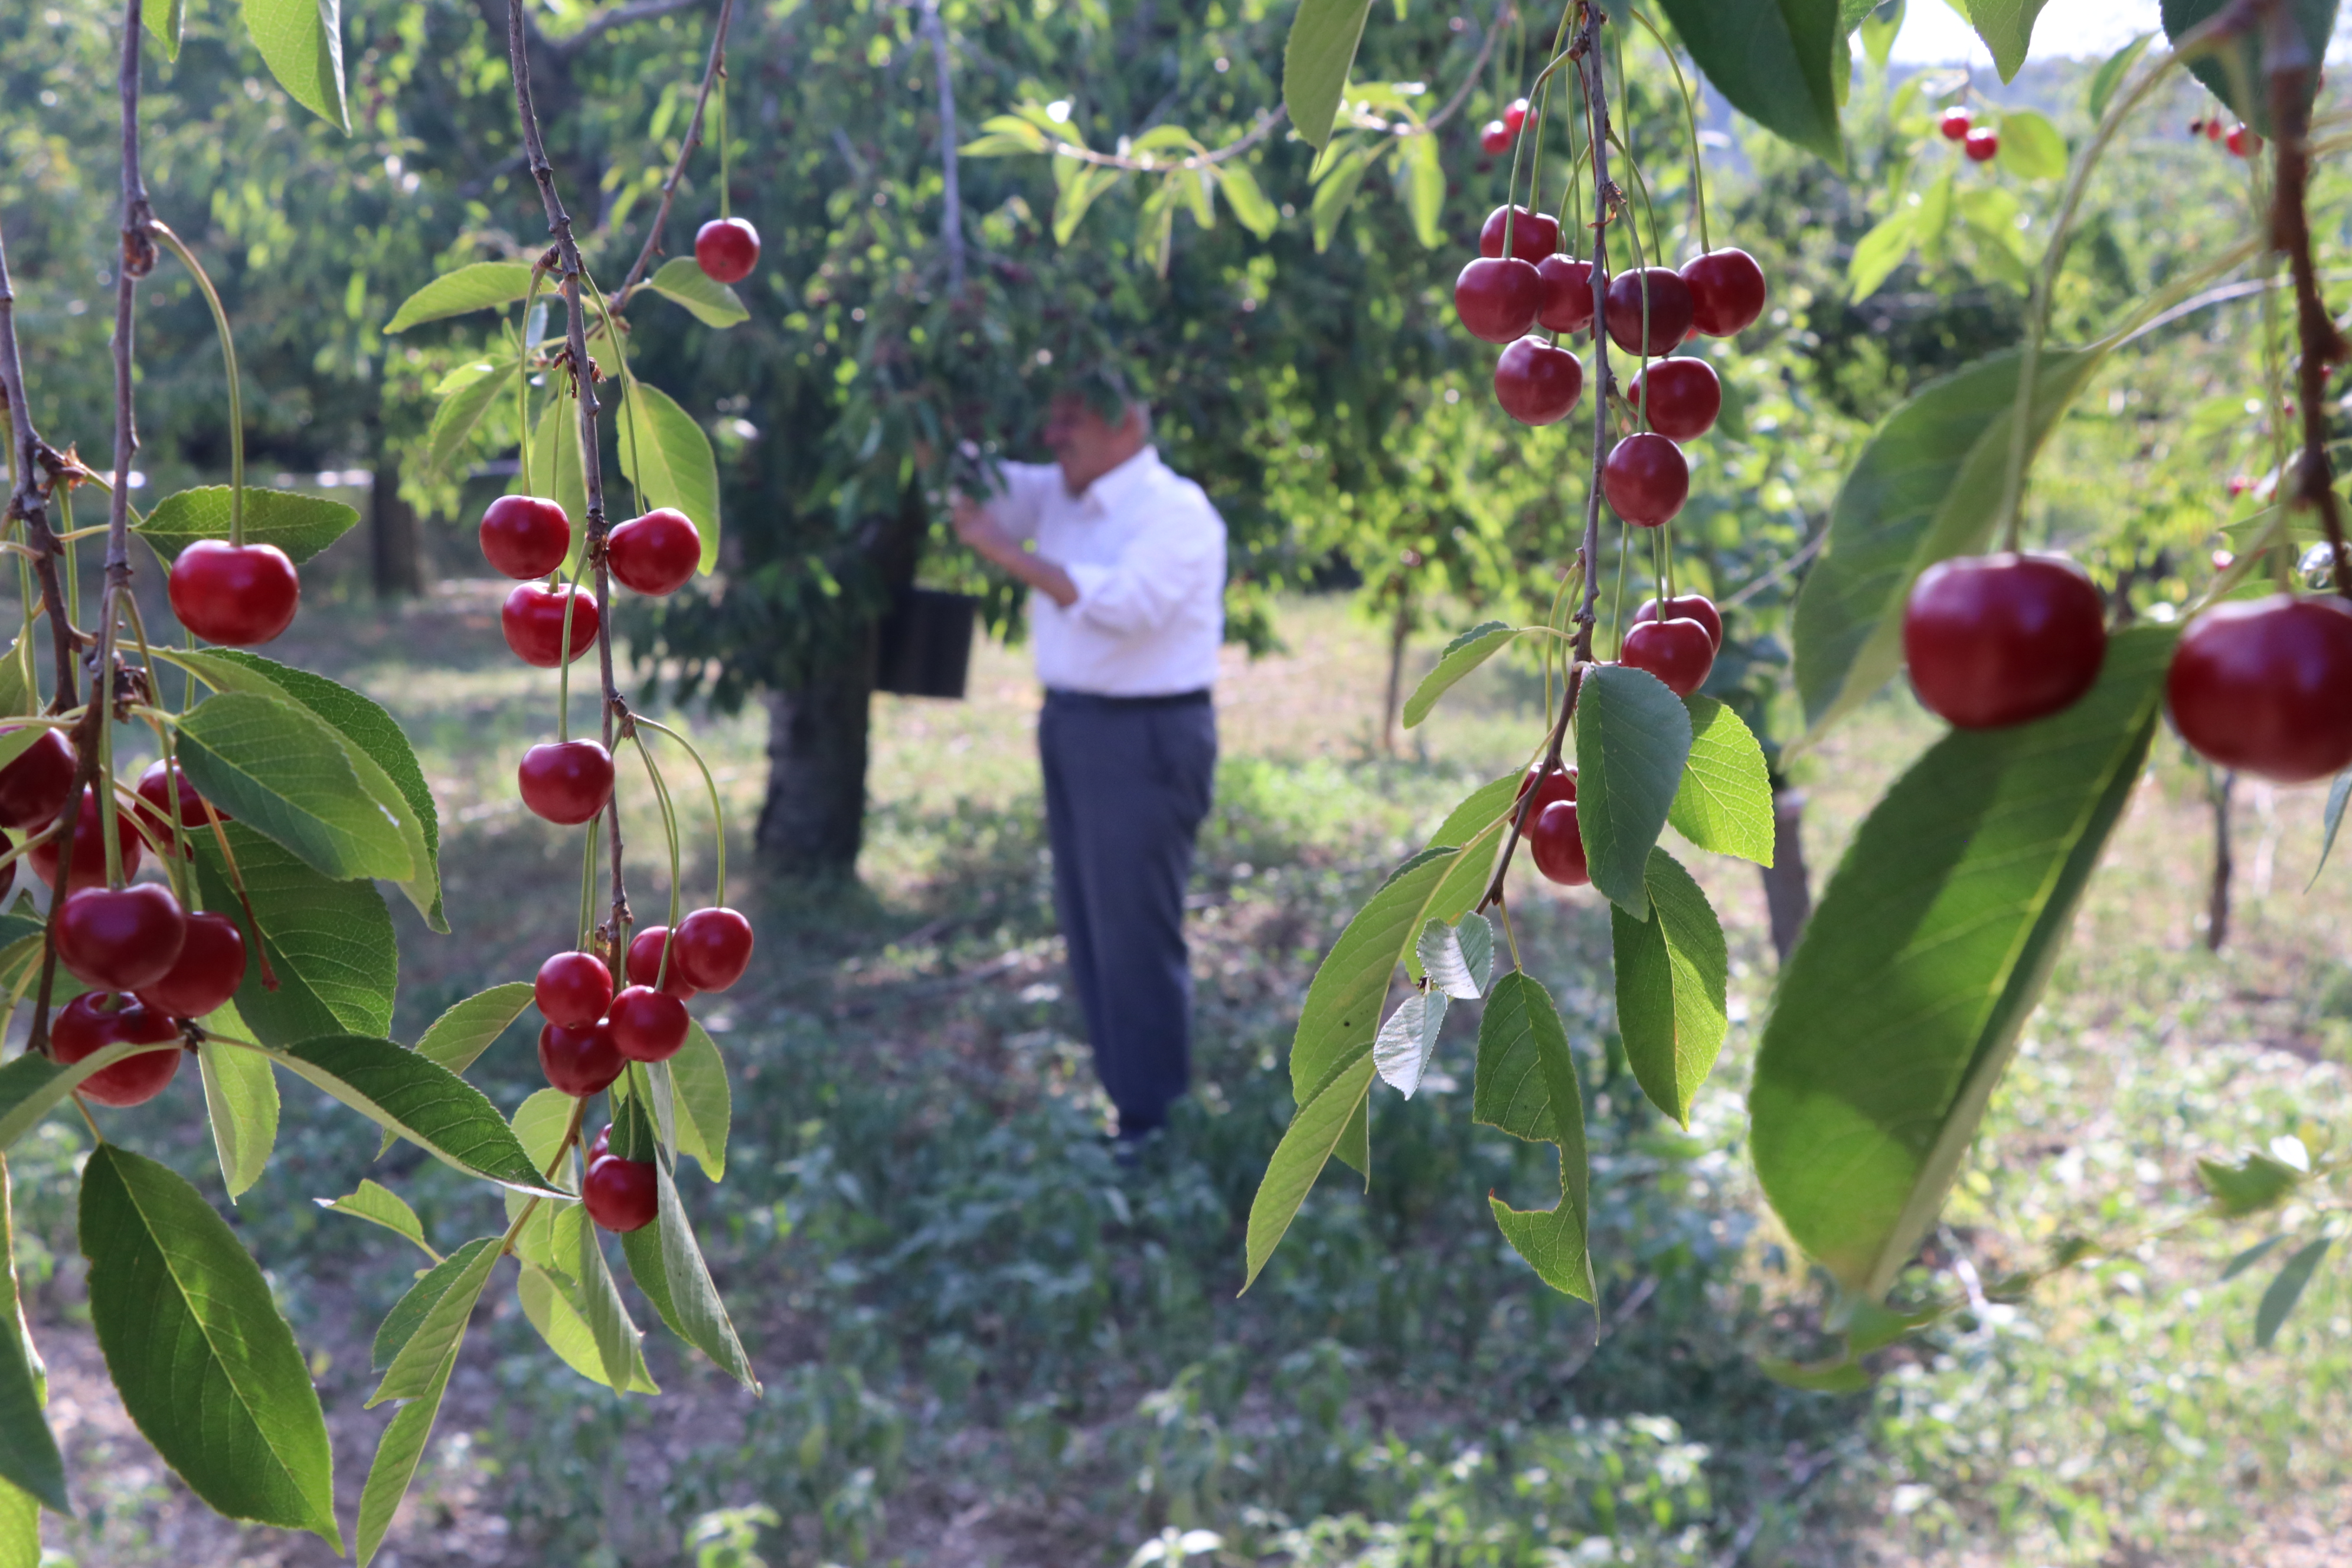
pixel 983 1344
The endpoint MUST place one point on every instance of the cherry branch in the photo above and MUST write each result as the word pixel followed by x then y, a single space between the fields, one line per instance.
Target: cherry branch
pixel 30 497
pixel 710 74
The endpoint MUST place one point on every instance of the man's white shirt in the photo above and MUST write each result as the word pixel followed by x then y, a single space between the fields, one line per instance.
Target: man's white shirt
pixel 1147 551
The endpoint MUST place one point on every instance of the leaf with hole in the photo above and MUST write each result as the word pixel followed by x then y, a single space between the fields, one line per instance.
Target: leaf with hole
pixel 300 526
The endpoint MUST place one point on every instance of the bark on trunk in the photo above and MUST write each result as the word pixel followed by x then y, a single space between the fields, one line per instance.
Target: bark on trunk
pixel 1399 635
pixel 814 820
pixel 399 562
pixel 1788 894
pixel 2220 786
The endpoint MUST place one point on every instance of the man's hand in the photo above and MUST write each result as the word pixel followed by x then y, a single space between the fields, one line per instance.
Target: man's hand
pixel 978 527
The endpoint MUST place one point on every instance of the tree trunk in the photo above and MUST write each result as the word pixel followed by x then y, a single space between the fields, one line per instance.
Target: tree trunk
pixel 399 564
pixel 1399 635
pixel 813 822
pixel 2220 786
pixel 1788 894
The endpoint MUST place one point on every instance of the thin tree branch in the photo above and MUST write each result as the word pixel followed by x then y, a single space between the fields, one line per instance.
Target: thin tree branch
pixel 710 74
pixel 1586 51
pixel 30 497
pixel 951 199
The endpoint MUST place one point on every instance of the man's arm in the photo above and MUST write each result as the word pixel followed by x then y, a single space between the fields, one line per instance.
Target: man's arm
pixel 978 527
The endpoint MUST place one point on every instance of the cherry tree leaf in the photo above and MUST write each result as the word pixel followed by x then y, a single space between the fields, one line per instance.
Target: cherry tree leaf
pixel 1315 62
pixel 301 525
pixel 1527 1086
pixel 1772 59
pixel 302 43
pixel 1633 739
pixel 682 279
pixel 1463 655
pixel 480 285
pixel 30 1465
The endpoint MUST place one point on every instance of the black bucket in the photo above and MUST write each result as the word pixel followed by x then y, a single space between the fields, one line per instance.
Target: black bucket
pixel 925 648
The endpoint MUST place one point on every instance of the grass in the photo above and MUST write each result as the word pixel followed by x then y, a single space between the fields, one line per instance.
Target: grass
pixel 982 1344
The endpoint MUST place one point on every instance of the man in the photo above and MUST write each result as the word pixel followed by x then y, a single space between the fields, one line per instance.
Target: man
pixel 1126 564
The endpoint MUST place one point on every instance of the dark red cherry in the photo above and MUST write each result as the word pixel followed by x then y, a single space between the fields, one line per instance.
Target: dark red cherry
pixel 580 1062
pixel 96 1019
pixel 645 962
pixel 573 989
pixel 90 849
pixel 1688 607
pixel 566 782
pixel 713 947
pixel 122 938
pixel 525 536
pixel 1557 784
pixel 727 249
pixel 1494 136
pixel 1981 144
pixel 1678 652
pixel 1954 125
pixel 210 968
pixel 532 619
pixel 1645 479
pixel 2244 141
pixel 655 553
pixel 236 595
pixel 1496 297
pixel 1670 310
pixel 1682 397
pixel 1515 114
pixel 647 1025
pixel 1556 845
pixel 1567 293
pixel 1726 292
pixel 622 1195
pixel 1995 640
pixel 2264 686
pixel 1534 234
pixel 155 808
pixel 601 1145
pixel 33 787
pixel 1537 384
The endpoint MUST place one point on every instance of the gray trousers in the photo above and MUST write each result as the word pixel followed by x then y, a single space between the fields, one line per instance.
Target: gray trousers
pixel 1127 783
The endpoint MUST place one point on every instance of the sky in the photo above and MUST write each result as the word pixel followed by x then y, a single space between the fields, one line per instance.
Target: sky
pixel 1934 33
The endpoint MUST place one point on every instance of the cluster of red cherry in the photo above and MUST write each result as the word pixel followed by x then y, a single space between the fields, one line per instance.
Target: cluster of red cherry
pixel 2241 138
pixel 150 965
pixel 1980 142
pixel 2256 685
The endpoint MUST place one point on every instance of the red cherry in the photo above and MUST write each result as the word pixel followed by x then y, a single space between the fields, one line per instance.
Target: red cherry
pixel 532 619
pixel 647 1025
pixel 1645 479
pixel 525 536
pixel 1556 845
pixel 155 808
pixel 2262 686
pixel 645 962
pixel 1557 784
pixel 727 249
pixel 580 1062
pixel 2244 141
pixel 210 968
pixel 1678 652
pixel 573 989
pixel 601 1145
pixel 1690 607
pixel 622 1195
pixel 122 938
pixel 96 1019
pixel 2213 129
pixel 1954 125
pixel 1496 297
pixel 89 854
pixel 1682 397
pixel 1534 234
pixel 566 782
pixel 713 947
pixel 1981 144
pixel 32 788
pixel 655 553
pixel 1727 290
pixel 1566 287
pixel 1537 384
pixel 1494 136
pixel 235 595
pixel 1515 114
pixel 1995 640
pixel 1670 310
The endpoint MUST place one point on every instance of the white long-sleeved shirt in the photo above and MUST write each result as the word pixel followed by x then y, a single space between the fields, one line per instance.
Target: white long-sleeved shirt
pixel 1147 551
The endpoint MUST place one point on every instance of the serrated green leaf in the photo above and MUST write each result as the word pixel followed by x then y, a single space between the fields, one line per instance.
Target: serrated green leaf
pixel 704 1108
pixel 682 281
pixel 1673 975
pixel 1401 1049
pixel 279 769
pixel 207 1369
pixel 1725 801
pixel 459 1036
pixel 426 1327
pixel 480 285
pixel 554 1306
pixel 397 1454
pixel 380 1205
pixel 1878 253
pixel 462 408
pixel 329 944
pixel 2255 1183
pixel 2286 1289
pixel 301 525
pixel 2232 81
pixel 400 1324
pixel 696 1311
pixel 1457 958
pixel 1317 1129
pixel 422 1100
pixel 302 43
pixel 616 1340
pixel 1242 194
pixel 241 1101
pixel 1527 1086
pixel 2030 146
pixel 30 1465
pixel 165 20
pixel 1463 655
pixel 1315 62
pixel 1903 1002
pixel 2111 73
pixel 1632 737
pixel 1772 58
pixel 666 454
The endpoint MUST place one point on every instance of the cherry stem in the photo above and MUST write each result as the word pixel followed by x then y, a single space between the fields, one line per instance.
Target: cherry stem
pixel 522 379
pixel 718 811
pixel 1690 117
pixel 1596 109
pixel 669 830
pixel 163 231
pixel 710 76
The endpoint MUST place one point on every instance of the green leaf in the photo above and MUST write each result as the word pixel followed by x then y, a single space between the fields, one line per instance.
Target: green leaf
pixel 2250 1257
pixel 1934 215
pixel 1673 973
pixel 1527 1086
pixel 1342 1010
pixel 2253 1184
pixel 1725 801
pixel 1463 655
pixel 2339 794
pixel 2286 1289
pixel 698 1076
pixel 1250 208
pixel 2232 81
pixel 540 1124
pixel 1457 959
pixel 329 943
pixel 30 1465
pixel 1880 25
pixel 1314 1135
pixel 1902 1004
pixel 682 279
pixel 556 471
pixel 380 1205
pixel 617 1342
pixel 277 767
pixel 459 1036
pixel 2007 29
pixel 415 1304
pixel 1878 253
pixel 1478 810
pixel 1315 61
pixel 694 1310
pixel 1405 1042
pixel 666 454
pixel 165 20
pixel 463 403
pixel 2111 73
pixel 554 1307
pixel 31 1087
pixel 300 526
pixel 206 1366
pixel 481 286
pixel 1086 182
pixel 397 1454
pixel 1927 487
pixel 302 42
pixel 16 672
pixel 1772 59
pixel 2030 146
pixel 1335 193
pixel 422 1100
pixel 241 1100
pixel 1421 181
pixel 1632 737
pixel 421 1336
pixel 20 1528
